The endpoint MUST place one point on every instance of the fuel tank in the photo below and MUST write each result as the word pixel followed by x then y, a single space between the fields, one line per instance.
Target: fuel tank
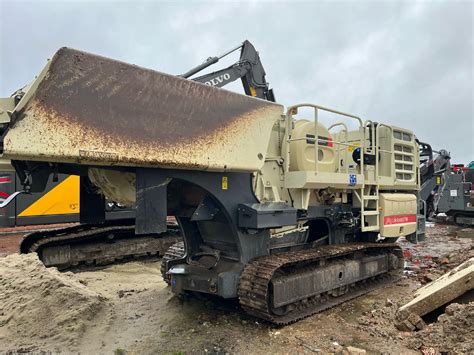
pixel 93 110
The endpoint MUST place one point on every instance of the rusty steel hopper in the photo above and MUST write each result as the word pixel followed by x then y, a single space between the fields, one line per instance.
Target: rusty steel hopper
pixel 88 109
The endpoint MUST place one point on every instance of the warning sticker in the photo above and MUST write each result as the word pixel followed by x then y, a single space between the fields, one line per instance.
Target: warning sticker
pixel 353 146
pixel 453 193
pixel 225 184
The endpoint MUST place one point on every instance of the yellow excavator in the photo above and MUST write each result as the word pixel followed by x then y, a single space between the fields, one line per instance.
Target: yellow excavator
pixel 58 203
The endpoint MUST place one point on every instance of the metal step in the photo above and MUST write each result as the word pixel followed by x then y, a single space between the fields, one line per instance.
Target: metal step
pixel 370 228
pixel 371 213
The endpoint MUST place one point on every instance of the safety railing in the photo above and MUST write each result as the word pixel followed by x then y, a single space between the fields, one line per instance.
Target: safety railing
pixel 289 122
pixel 372 134
pixel 345 130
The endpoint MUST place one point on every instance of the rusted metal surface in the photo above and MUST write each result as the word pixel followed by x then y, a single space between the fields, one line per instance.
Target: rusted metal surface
pixel 91 109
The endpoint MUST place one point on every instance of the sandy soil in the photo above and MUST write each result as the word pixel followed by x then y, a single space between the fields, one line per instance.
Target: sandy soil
pixel 138 314
pixel 42 308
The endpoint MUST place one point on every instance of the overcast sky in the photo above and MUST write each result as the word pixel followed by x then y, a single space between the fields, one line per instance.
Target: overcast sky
pixel 406 63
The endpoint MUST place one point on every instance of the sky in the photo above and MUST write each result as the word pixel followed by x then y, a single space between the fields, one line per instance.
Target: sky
pixel 405 63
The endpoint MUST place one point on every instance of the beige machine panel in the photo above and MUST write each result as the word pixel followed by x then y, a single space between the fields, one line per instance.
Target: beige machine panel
pixel 397 214
pixel 88 109
pixel 302 147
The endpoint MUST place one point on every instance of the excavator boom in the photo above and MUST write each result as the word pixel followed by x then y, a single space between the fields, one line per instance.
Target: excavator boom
pixel 249 69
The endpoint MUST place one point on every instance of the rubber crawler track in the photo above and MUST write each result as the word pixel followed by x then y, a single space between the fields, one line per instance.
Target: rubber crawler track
pixel 175 251
pixel 82 236
pixel 254 294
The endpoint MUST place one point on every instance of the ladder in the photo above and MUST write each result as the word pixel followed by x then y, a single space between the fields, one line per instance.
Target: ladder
pixel 369 196
pixel 369 193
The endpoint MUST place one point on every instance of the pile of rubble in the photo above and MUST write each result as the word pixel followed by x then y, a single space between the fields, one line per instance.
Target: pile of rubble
pixel 436 294
pixel 452 333
pixel 454 328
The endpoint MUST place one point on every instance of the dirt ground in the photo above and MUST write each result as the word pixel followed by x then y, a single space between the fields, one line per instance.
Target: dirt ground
pixel 138 313
pixel 10 237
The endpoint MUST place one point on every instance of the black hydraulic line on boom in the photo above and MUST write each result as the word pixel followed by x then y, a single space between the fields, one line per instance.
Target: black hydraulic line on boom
pixel 249 69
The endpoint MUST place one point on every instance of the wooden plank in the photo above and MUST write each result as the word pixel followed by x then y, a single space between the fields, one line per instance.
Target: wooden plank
pixel 441 291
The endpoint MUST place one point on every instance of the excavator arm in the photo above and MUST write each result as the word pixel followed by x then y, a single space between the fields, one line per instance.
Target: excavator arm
pixel 433 165
pixel 249 69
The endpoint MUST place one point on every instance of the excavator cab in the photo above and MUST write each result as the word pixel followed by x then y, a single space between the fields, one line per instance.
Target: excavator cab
pixel 426 161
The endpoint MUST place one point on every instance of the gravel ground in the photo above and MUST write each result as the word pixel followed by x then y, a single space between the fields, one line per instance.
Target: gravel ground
pixel 140 314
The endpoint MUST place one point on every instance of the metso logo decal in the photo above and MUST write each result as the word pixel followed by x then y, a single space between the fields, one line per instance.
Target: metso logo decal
pixel 407 218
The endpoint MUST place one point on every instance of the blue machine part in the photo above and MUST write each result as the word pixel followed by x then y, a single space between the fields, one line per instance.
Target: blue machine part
pixel 352 180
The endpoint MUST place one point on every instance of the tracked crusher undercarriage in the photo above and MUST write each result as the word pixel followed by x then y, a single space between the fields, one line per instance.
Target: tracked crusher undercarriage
pixel 96 244
pixel 286 215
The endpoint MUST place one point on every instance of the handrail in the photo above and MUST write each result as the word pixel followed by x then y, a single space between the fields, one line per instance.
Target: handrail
pixel 291 108
pixel 372 131
pixel 338 124
pixel 289 115
pixel 321 140
pixel 346 131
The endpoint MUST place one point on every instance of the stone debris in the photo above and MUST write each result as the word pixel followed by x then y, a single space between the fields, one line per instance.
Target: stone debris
pixel 451 334
pixel 353 350
pixel 436 294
